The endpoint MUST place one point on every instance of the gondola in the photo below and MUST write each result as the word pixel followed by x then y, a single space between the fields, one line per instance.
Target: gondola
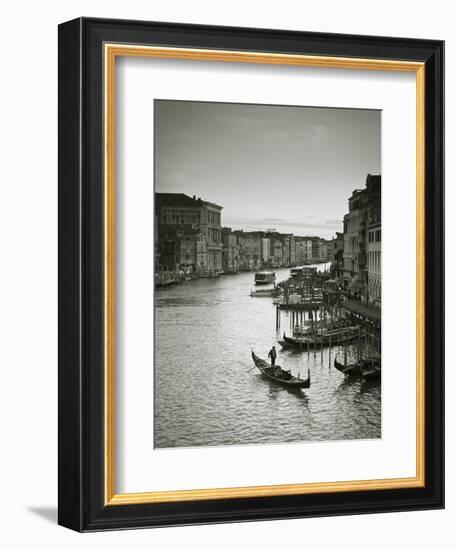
pixel 371 373
pixel 352 369
pixel 266 293
pixel 367 368
pixel 280 376
pixel 310 327
pixel 333 338
pixel 371 369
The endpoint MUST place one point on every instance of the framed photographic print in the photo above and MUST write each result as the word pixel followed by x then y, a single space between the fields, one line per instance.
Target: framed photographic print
pixel 250 274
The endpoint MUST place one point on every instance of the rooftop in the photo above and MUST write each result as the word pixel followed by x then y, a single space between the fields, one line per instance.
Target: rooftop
pixel 182 200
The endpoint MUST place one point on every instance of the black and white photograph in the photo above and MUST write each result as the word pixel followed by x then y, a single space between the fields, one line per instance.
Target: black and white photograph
pixel 267 274
pixel 221 223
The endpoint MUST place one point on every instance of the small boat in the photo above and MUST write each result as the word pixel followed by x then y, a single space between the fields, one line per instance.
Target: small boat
pixel 369 369
pixel 296 272
pixel 372 373
pixel 277 374
pixel 325 338
pixel 265 277
pixel 210 274
pixel 310 327
pixel 295 300
pixel 352 369
pixel 264 292
pixel 303 272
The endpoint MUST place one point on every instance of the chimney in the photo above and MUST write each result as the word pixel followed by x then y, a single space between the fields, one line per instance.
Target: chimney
pixel 194 197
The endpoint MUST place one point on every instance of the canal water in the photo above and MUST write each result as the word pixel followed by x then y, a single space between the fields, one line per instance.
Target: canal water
pixel 206 394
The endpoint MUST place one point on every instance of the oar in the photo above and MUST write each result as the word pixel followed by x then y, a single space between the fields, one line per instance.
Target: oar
pixel 254 367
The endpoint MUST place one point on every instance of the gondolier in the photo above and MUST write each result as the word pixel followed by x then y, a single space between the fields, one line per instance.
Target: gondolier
pixel 280 376
pixel 273 355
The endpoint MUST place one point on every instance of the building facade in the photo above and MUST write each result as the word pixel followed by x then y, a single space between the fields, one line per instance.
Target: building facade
pixel 189 233
pixel 265 251
pixel 336 256
pixel 363 207
pixel 352 229
pixel 276 256
pixel 320 249
pixel 325 250
pixel 230 251
pixel 211 224
pixel 374 260
pixel 189 238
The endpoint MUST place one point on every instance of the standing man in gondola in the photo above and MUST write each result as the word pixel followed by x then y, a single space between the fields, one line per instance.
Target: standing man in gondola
pixel 272 354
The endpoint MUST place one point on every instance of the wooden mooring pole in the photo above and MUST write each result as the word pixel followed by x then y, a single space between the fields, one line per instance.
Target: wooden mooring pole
pixel 329 355
pixel 308 342
pixel 321 333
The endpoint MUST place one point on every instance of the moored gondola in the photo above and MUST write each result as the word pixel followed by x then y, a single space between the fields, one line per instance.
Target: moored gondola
pixel 277 374
pixel 314 327
pixel 370 369
pixel 352 369
pixel 328 338
pixel 263 293
pixel 371 374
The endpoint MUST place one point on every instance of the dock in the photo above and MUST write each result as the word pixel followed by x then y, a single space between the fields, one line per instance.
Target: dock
pixel 363 313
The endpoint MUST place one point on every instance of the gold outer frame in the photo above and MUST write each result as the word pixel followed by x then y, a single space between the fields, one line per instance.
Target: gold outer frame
pixel 111 52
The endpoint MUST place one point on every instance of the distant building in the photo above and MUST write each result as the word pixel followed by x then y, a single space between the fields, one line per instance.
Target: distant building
pixel 288 249
pixel 179 248
pixel 230 251
pixel 189 229
pixel 320 249
pixel 249 245
pixel 308 248
pixel 351 240
pixel 362 206
pixel 301 250
pixel 257 248
pixel 336 255
pixel 374 256
pixel 212 228
pixel 336 245
pixel 325 250
pixel 265 250
pixel 315 248
pixel 245 250
pixel 311 249
pixel 276 255
pixel 189 238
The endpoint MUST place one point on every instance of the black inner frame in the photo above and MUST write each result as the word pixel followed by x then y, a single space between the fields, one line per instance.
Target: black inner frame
pixel 81 381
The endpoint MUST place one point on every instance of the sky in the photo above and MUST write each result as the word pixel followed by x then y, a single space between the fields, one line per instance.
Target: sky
pixel 291 169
